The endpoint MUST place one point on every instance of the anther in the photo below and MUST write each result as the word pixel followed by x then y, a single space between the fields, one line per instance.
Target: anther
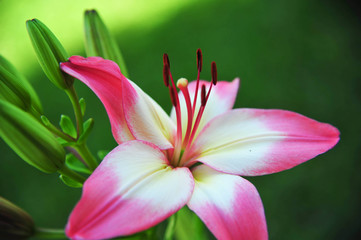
pixel 203 96
pixel 199 60
pixel 166 60
pixel 172 97
pixel 166 75
pixel 214 73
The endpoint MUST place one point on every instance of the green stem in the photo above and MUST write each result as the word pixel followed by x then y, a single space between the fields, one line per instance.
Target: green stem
pixel 59 133
pixel 35 113
pixel 77 110
pixel 71 174
pixel 169 232
pixel 46 233
pixel 89 159
pixel 82 147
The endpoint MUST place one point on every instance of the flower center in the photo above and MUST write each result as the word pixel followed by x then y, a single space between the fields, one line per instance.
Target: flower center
pixel 180 155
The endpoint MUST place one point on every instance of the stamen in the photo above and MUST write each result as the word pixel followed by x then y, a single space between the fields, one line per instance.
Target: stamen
pixel 203 96
pixel 166 74
pixel 174 94
pixel 195 127
pixel 204 99
pixel 172 97
pixel 199 115
pixel 179 156
pixel 166 60
pixel 199 67
pixel 199 59
pixel 214 78
pixel 172 88
pixel 214 73
pixel 175 101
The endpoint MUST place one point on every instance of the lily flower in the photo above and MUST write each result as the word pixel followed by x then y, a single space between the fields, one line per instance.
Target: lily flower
pixel 195 157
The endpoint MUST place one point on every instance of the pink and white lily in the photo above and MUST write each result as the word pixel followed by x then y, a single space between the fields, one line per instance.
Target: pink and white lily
pixel 194 157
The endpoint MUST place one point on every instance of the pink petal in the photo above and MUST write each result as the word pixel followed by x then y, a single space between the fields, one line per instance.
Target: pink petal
pixel 252 142
pixel 221 100
pixel 133 189
pixel 132 113
pixel 229 205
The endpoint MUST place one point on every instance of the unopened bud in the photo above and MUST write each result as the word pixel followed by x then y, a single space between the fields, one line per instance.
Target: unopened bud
pixel 15 88
pixel 15 223
pixel 99 42
pixel 30 139
pixel 50 53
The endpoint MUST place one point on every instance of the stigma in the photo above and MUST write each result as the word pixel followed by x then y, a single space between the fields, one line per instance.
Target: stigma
pixel 178 156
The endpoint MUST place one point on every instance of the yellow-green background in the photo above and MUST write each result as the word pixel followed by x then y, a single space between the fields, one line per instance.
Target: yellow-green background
pixel 300 55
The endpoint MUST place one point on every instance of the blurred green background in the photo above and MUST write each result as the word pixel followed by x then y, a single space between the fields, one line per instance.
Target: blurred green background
pixel 302 55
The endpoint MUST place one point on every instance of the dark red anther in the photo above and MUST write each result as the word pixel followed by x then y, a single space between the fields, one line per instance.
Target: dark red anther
pixel 166 60
pixel 214 73
pixel 172 97
pixel 203 96
pixel 199 60
pixel 166 75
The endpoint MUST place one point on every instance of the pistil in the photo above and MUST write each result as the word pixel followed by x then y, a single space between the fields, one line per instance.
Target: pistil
pixel 182 84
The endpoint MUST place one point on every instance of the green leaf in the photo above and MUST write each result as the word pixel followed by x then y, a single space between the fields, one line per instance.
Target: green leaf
pixel 87 126
pixel 82 106
pixel 67 126
pixel 70 182
pixel 75 164
pixel 99 42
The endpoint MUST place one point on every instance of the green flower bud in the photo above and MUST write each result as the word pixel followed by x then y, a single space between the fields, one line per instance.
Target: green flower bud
pixel 30 139
pixel 16 89
pixel 99 42
pixel 13 91
pixel 15 223
pixel 50 53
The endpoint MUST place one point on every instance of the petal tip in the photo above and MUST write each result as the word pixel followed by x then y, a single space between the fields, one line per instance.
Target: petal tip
pixel 237 80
